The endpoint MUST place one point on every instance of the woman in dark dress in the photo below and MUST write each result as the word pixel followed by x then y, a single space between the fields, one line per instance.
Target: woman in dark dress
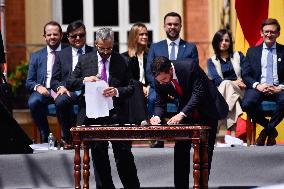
pixel 137 59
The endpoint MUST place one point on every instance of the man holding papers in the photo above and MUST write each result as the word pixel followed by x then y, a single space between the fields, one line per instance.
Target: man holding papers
pixel 105 65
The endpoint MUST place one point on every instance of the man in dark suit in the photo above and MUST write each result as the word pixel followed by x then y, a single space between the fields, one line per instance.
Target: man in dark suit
pixel 111 67
pixel 2 54
pixel 263 74
pixel 65 63
pixel 39 76
pixel 174 48
pixel 185 80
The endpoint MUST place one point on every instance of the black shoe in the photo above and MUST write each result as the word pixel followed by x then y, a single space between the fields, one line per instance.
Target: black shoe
pixel 260 141
pixel 157 144
pixel 271 140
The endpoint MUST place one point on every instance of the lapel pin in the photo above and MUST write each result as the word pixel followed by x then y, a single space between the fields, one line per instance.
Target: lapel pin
pixel 183 46
pixel 279 59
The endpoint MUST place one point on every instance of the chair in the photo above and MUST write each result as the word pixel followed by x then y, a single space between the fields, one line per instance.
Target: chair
pixel 52 112
pixel 268 108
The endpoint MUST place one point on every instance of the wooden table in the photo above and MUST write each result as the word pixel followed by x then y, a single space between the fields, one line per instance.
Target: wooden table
pixel 197 134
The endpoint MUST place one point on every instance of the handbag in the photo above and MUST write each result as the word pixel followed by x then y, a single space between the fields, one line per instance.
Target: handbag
pixel 6 94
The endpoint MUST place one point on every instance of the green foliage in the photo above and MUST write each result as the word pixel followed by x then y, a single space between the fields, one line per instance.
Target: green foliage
pixel 18 77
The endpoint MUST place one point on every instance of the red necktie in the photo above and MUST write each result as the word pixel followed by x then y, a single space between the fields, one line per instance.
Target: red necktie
pixel 177 87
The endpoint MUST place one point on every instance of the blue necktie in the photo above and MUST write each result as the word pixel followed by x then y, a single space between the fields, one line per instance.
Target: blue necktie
pixel 269 68
pixel 173 52
pixel 79 52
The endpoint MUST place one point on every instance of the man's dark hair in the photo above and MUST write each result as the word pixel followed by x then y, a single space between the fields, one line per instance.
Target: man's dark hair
pixel 53 23
pixel 172 14
pixel 218 38
pixel 74 26
pixel 271 21
pixel 160 64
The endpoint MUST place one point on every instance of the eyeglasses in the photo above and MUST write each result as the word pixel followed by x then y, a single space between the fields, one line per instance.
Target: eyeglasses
pixel 102 50
pixel 80 35
pixel 265 32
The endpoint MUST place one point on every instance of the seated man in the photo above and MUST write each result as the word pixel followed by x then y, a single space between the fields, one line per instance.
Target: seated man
pixel 39 76
pixel 263 74
pixel 65 62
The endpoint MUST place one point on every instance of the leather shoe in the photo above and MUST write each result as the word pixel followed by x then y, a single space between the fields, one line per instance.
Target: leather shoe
pixel 271 140
pixel 157 144
pixel 260 141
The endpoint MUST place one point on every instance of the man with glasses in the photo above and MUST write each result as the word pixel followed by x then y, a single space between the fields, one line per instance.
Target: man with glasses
pixel 263 74
pixel 65 62
pixel 104 64
pixel 39 76
pixel 174 48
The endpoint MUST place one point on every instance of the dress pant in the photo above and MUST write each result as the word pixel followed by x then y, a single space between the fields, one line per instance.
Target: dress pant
pixel 251 104
pixel 64 109
pixel 182 158
pixel 124 160
pixel 38 107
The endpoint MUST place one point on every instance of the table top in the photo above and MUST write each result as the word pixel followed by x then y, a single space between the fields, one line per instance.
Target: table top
pixel 138 132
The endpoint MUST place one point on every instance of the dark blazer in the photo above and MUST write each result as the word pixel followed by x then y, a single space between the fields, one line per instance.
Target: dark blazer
pixel 2 53
pixel 118 77
pixel 37 68
pixel 251 71
pixel 196 88
pixel 62 67
pixel 185 50
pixel 133 65
pixel 137 101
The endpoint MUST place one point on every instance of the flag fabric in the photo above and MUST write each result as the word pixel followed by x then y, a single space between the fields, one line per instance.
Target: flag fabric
pixel 250 15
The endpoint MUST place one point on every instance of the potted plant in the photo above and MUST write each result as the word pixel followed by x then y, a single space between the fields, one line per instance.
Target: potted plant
pixel 17 79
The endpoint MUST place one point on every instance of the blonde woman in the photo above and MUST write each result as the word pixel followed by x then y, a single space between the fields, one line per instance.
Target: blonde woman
pixel 137 59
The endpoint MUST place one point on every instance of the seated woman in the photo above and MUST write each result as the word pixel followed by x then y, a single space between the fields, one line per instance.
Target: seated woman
pixel 224 69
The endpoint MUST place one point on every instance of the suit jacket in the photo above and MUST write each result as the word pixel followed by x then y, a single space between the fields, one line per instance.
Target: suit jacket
pixel 62 67
pixel 196 91
pixel 118 77
pixel 37 68
pixel 133 65
pixel 185 50
pixel 251 71
pixel 2 53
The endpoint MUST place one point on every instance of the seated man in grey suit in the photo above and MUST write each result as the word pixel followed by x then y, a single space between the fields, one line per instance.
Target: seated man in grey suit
pixel 65 63
pixel 112 68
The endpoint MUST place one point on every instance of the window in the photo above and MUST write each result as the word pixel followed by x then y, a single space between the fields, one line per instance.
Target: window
pixel 72 10
pixel 105 13
pixel 117 14
pixel 139 11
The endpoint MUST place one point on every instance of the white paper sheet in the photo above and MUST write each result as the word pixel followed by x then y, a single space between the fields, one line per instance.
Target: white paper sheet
pixel 97 105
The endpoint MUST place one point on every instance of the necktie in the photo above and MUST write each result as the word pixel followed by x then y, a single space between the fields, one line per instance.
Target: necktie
pixel 103 70
pixel 269 68
pixel 173 53
pixel 79 52
pixel 177 87
pixel 52 93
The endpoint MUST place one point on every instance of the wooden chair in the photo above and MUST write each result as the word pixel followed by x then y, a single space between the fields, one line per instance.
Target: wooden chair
pixel 52 113
pixel 267 107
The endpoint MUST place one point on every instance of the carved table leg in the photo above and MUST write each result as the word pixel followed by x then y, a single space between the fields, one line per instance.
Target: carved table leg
pixel 77 160
pixel 204 161
pixel 196 164
pixel 86 166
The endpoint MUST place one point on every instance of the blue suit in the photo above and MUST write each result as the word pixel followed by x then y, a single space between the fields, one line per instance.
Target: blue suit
pixel 62 69
pixel 37 102
pixel 251 73
pixel 185 50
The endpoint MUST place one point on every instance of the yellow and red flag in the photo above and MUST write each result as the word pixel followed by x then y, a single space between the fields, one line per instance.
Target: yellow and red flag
pixel 250 14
